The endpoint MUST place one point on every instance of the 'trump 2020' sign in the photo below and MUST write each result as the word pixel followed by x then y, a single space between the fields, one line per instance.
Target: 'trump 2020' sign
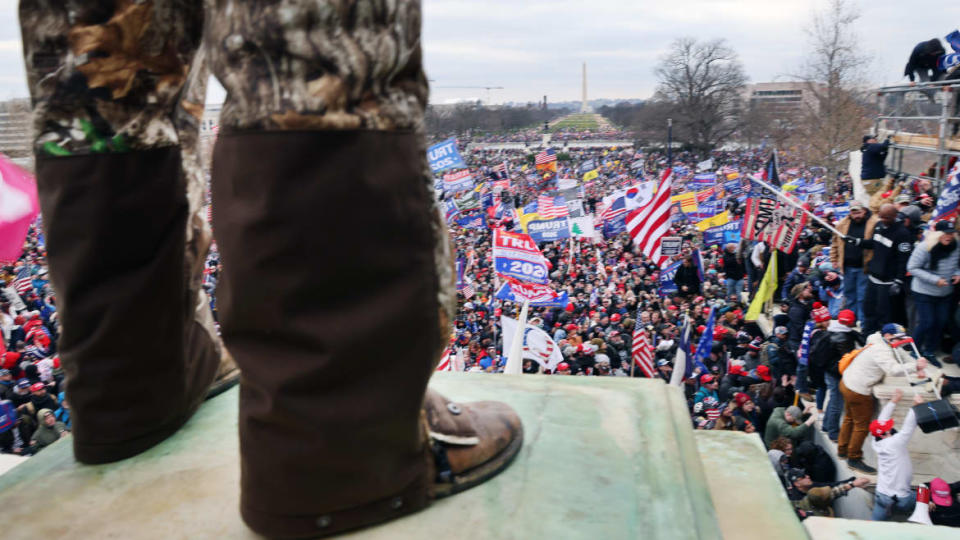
pixel 516 255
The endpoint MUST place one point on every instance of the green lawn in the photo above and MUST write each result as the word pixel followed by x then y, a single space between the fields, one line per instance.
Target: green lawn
pixel 578 122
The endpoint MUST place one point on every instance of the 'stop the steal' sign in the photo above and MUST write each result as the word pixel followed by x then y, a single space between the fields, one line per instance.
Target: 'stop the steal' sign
pixel 516 255
pixel 444 155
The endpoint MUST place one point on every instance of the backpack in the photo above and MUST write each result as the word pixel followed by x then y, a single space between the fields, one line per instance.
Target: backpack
pixel 765 353
pixel 847 359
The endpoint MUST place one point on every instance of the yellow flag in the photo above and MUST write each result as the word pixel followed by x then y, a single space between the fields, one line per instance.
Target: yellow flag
pixel 720 219
pixel 765 292
pixel 525 218
pixel 688 202
pixel 590 175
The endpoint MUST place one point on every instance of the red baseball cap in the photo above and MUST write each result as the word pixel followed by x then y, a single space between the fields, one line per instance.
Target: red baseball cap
pixel 37 386
pixel 878 428
pixel 847 317
pixel 706 378
pixel 764 373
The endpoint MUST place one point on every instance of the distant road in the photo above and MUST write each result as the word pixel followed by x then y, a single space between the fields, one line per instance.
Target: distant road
pixel 559 145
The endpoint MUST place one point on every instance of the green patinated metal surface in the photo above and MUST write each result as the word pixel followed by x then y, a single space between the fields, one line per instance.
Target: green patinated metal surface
pixel 602 458
pixel 749 500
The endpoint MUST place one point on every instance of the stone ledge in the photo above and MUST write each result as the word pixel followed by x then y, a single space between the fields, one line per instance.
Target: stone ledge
pixel 602 458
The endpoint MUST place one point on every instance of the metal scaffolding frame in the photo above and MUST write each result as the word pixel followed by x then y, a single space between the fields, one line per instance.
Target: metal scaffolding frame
pixel 919 117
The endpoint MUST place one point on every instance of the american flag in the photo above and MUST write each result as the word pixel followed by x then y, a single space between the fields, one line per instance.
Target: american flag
pixel 642 351
pixel 649 223
pixel 500 169
pixel 445 363
pixel 24 282
pixel 546 156
pixel 468 291
pixel 613 212
pixel 550 208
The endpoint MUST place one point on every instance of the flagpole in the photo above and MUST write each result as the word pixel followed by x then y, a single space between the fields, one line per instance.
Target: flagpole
pixel 669 142
pixel 796 205
pixel 515 359
pixel 676 379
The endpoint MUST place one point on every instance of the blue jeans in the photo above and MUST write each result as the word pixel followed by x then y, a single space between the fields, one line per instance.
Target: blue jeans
pixel 933 312
pixel 831 418
pixel 734 287
pixel 854 290
pixel 802 385
pixel 882 505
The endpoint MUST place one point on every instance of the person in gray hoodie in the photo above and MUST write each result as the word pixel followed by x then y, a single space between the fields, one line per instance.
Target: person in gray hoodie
pixel 935 267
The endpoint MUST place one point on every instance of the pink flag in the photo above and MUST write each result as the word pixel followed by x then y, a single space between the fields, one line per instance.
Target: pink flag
pixel 18 208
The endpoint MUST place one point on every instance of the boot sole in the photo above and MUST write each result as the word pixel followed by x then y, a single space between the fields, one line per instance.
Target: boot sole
pixel 482 472
pixel 224 383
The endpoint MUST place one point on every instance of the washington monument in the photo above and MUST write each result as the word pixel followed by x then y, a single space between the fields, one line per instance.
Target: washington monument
pixel 583 103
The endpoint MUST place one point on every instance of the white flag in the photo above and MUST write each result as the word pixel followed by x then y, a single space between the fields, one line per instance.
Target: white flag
pixel 638 196
pixel 537 344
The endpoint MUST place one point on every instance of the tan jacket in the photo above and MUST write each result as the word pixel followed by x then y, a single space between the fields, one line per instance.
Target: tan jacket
pixel 877 199
pixel 837 246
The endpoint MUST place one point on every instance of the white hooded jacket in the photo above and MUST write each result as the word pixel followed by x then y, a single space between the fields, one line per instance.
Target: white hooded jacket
pixel 872 365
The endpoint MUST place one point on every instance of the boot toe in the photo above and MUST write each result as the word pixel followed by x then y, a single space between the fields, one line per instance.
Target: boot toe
pixel 463 462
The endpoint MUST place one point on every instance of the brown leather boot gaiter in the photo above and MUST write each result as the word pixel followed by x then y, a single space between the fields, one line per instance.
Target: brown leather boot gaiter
pixel 115 226
pixel 328 302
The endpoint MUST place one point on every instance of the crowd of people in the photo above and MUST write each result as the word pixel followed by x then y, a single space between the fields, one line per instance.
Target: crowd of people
pixel 836 294
pixel 34 411
pixel 837 297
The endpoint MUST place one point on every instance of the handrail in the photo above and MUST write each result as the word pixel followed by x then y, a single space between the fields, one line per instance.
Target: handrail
pixel 930 85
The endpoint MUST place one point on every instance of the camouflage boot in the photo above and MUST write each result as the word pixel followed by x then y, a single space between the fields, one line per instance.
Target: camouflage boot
pixel 106 79
pixel 337 296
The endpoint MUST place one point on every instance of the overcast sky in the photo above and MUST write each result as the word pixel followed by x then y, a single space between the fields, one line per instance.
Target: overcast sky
pixel 536 47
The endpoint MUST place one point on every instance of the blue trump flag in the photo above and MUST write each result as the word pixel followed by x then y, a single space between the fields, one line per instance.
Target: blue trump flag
pixel 724 234
pixel 444 155
pixel 471 222
pixel 667 286
pixel 705 343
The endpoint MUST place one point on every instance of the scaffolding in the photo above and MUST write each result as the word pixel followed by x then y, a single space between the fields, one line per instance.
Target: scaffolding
pixel 920 118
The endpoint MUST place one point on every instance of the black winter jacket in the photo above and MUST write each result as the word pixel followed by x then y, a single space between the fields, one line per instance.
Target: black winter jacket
pixel 891 251
pixel 874 154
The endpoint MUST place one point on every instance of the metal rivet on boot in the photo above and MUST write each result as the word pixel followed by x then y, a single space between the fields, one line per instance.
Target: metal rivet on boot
pixel 453 408
pixel 323 522
pixel 396 503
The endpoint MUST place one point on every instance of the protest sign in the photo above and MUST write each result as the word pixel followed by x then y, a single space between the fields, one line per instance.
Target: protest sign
pixel 444 155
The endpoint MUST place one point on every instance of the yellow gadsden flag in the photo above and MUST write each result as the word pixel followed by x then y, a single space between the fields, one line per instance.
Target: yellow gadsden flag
pixel 765 292
pixel 720 219
pixel 590 175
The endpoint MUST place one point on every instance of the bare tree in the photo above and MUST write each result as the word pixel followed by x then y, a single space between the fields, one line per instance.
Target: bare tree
pixel 704 82
pixel 837 115
pixel 768 122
